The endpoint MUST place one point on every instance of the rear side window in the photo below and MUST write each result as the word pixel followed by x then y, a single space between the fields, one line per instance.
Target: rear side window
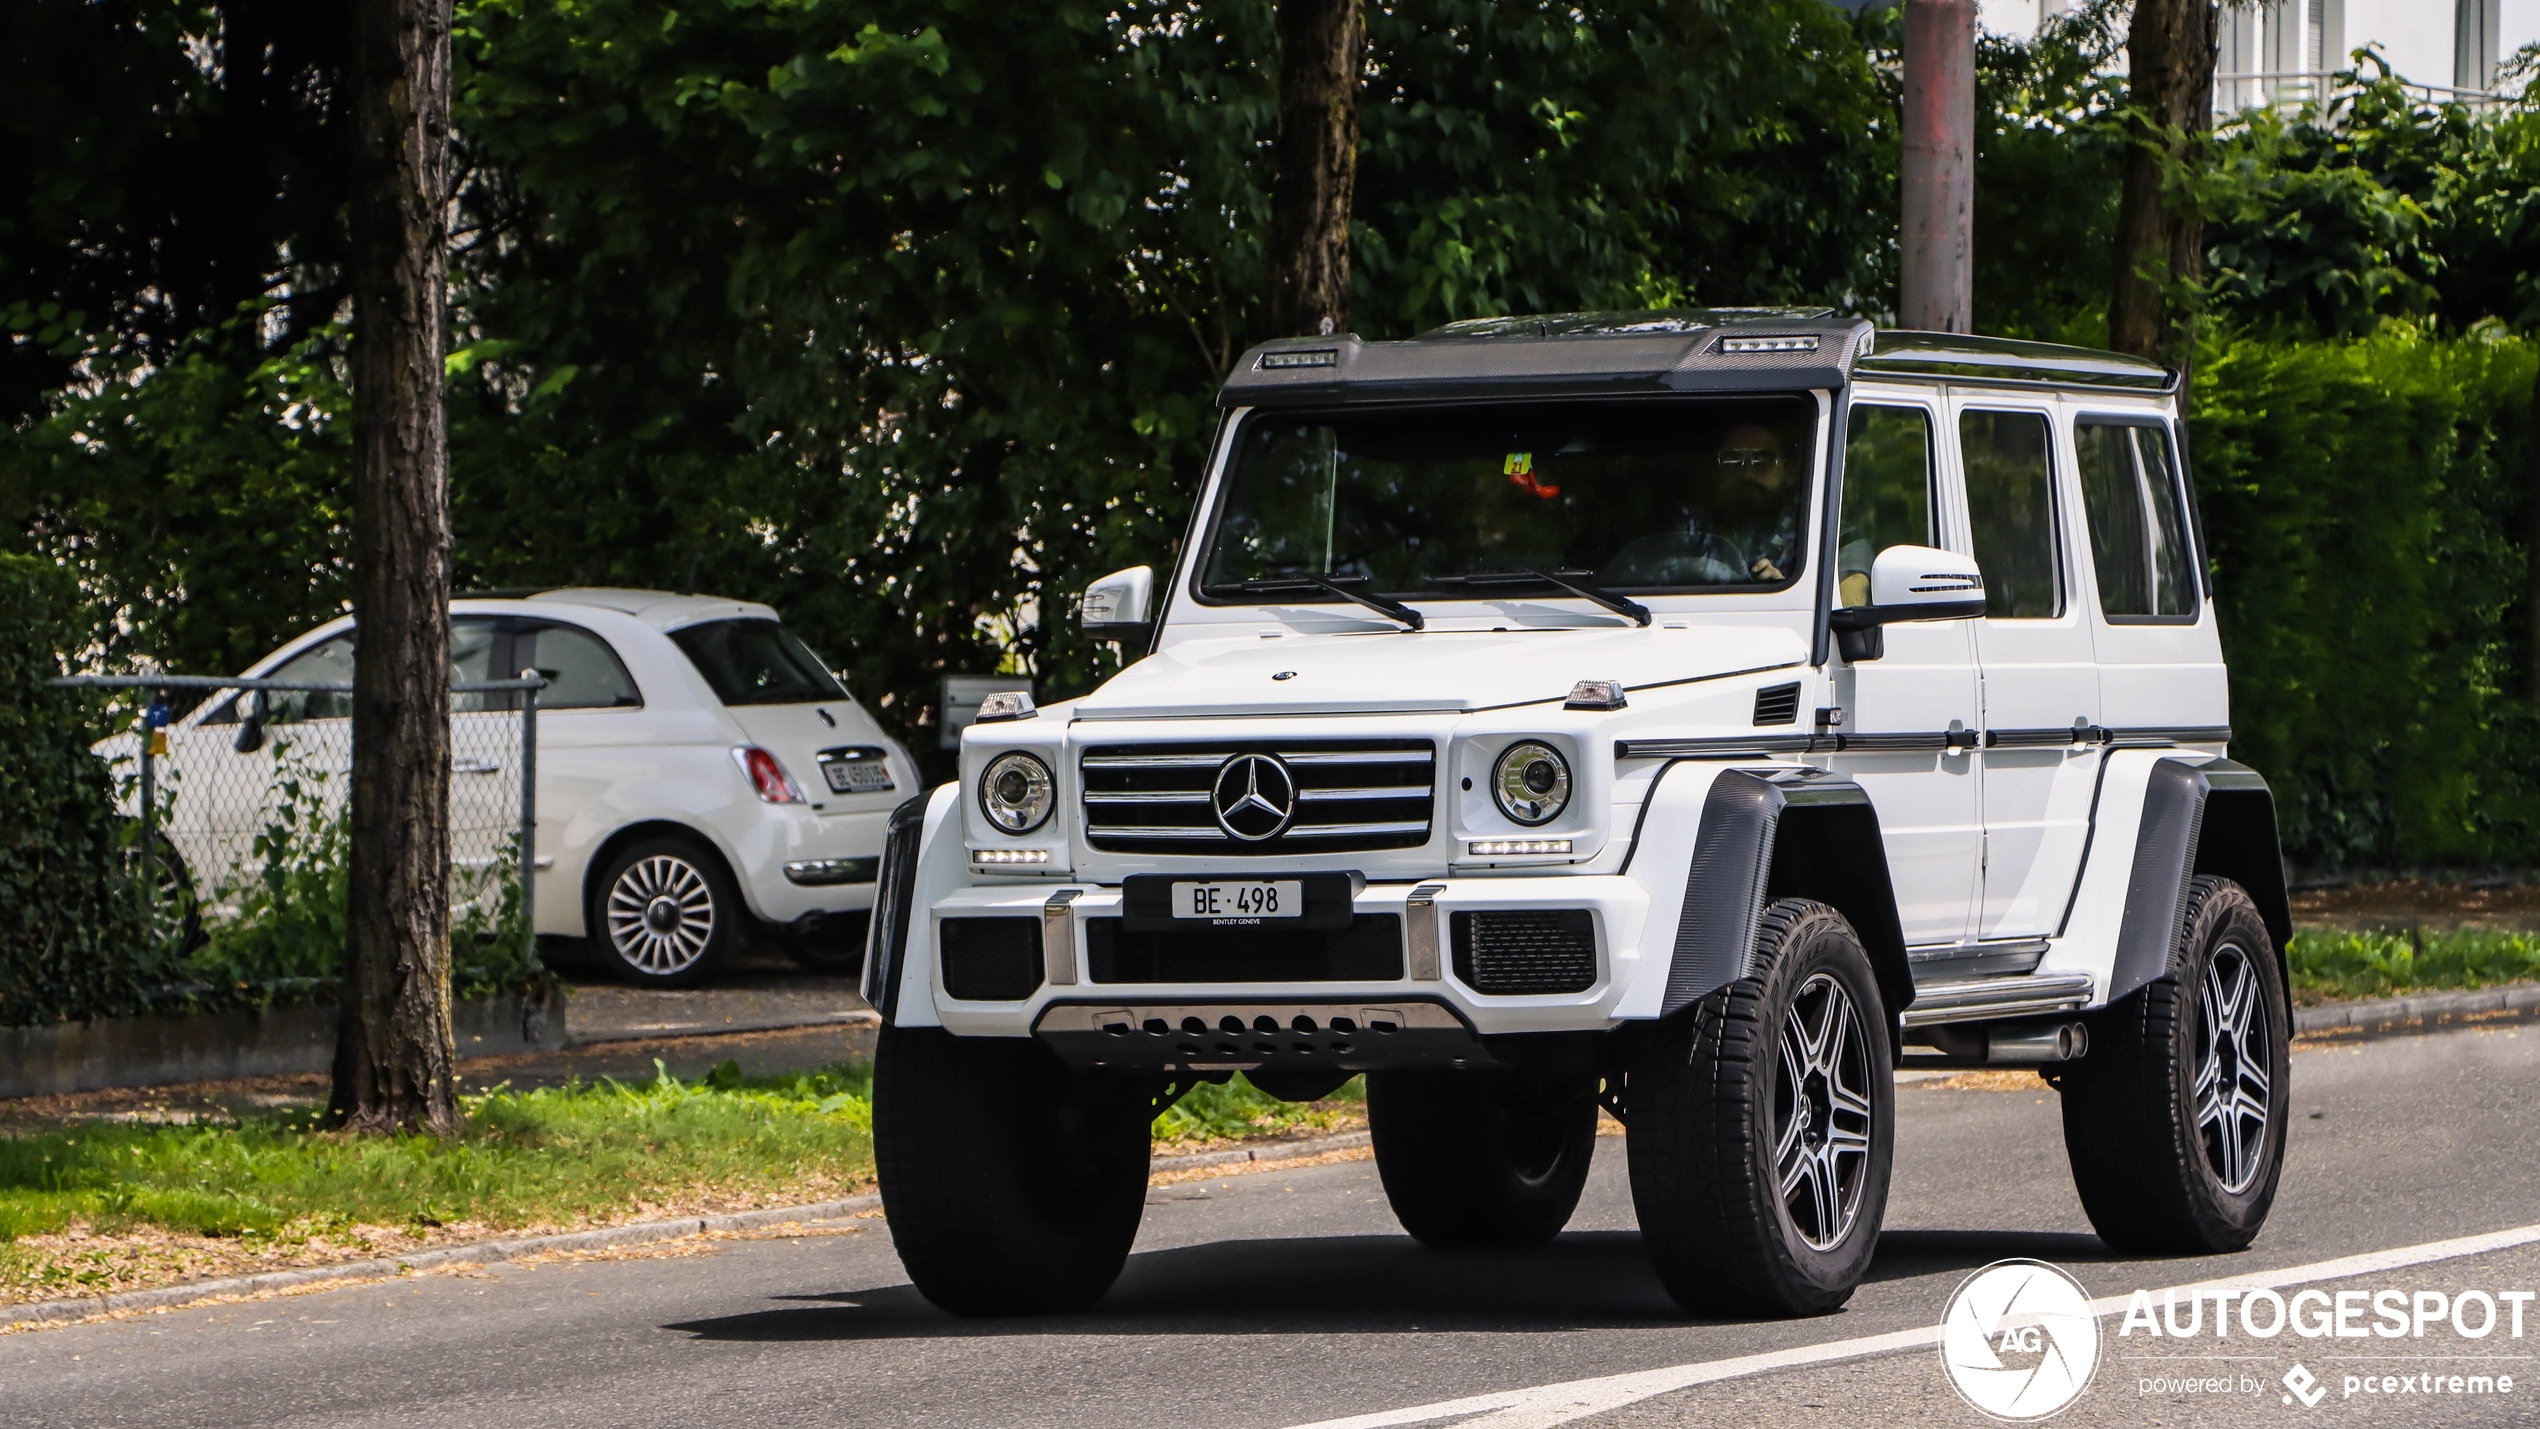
pixel 582 672
pixel 2138 521
pixel 1887 480
pixel 2011 506
pixel 756 662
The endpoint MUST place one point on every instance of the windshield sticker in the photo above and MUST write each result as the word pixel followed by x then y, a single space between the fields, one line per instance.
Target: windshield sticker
pixel 1521 474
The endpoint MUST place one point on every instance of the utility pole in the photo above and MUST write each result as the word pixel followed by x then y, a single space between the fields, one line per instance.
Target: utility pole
pixel 396 1060
pixel 1936 278
pixel 1322 50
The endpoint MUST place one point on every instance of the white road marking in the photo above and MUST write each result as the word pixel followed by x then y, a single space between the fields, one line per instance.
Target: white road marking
pixel 1550 1404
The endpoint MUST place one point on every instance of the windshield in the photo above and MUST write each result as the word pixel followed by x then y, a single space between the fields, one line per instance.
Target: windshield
pixel 756 662
pixel 1458 503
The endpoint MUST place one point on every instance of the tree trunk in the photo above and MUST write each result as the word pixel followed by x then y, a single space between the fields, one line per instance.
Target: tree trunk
pixel 395 1059
pixel 2160 234
pixel 1322 50
pixel 1936 268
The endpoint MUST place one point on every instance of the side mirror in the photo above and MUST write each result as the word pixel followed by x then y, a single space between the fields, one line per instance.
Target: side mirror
pixel 1908 583
pixel 1116 609
pixel 251 725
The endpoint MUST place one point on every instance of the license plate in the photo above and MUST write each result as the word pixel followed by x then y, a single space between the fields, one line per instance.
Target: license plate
pixel 862 776
pixel 1234 904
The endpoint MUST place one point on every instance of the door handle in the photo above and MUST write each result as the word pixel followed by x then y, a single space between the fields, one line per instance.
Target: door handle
pixel 476 766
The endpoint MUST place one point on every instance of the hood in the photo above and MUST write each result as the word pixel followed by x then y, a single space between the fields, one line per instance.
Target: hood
pixel 1423 670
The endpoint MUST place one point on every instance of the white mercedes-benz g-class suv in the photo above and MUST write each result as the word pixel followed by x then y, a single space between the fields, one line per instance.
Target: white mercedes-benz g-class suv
pixel 1692 714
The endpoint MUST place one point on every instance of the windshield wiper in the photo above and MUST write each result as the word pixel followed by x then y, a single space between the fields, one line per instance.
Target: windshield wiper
pixel 1559 580
pixel 1389 609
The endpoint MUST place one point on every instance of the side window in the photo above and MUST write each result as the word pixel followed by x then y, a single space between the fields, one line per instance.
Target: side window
pixel 328 663
pixel 2138 521
pixel 472 643
pixel 2011 509
pixel 582 672
pixel 1887 479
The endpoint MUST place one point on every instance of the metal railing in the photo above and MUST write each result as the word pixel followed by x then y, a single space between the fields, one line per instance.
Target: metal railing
pixel 222 798
pixel 2290 89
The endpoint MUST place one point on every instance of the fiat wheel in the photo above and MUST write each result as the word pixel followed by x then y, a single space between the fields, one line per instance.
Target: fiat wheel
pixel 665 912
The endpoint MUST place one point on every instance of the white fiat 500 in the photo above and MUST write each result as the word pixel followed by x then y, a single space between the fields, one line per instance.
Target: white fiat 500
pixel 701 774
pixel 1689 714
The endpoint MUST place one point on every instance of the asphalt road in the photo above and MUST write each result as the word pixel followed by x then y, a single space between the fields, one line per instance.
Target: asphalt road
pixel 1281 1299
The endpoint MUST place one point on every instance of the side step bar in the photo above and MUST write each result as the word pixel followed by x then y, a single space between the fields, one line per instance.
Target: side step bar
pixel 1994 998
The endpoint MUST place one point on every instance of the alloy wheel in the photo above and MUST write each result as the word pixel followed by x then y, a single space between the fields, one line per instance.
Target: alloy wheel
pixel 661 914
pixel 1822 1113
pixel 2233 1057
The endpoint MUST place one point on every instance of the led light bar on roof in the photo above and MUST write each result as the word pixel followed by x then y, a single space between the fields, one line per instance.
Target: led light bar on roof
pixel 1795 342
pixel 1309 357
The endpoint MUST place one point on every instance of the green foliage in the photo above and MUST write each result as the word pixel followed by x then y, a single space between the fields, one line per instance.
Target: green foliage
pixel 1236 1109
pixel 2377 205
pixel 2049 154
pixel 72 945
pixel 2357 495
pixel 205 506
pixel 2337 964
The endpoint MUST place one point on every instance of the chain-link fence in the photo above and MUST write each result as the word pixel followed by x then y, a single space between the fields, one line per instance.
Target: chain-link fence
pixel 239 808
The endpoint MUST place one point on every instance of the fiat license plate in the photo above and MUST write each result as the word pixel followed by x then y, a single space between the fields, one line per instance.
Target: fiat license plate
pixel 1238 903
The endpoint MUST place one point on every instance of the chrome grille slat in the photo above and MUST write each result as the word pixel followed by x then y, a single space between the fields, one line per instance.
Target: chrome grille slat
pixel 1396 791
pixel 1146 796
pixel 1350 794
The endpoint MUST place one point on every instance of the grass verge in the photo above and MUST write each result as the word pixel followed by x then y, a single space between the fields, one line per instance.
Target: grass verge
pixel 106 1206
pixel 100 1206
pixel 2329 965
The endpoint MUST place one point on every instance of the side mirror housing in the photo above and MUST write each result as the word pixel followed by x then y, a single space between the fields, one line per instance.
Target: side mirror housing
pixel 1116 608
pixel 251 724
pixel 1909 583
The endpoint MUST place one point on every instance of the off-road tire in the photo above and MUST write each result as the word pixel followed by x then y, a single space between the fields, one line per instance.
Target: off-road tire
pixel 1012 1183
pixel 2144 1163
pixel 688 867
pixel 1707 1109
pixel 1479 1159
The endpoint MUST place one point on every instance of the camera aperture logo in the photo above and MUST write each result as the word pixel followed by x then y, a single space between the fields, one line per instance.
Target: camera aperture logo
pixel 2019 1343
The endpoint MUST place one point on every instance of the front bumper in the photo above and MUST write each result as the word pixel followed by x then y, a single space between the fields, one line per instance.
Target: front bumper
pixel 1081 995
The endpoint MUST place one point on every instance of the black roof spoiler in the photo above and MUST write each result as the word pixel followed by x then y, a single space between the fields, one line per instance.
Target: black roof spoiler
pixel 1625 354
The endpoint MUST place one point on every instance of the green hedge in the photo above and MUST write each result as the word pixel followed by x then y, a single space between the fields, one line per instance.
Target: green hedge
pixel 2364 499
pixel 71 944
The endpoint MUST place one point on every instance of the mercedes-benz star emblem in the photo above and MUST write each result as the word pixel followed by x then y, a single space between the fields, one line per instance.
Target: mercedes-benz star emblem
pixel 1254 797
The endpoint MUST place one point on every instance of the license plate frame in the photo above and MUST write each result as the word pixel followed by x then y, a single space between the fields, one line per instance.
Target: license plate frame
pixel 1147 903
pixel 840 775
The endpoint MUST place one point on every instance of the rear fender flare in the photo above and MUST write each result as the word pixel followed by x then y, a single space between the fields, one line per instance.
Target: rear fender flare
pixel 2213 817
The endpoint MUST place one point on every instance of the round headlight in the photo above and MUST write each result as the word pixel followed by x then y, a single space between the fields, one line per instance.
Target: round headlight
pixel 1531 783
pixel 1015 793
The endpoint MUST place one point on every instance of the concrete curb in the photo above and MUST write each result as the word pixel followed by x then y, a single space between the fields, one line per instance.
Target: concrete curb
pixel 2426 1012
pixel 487 1252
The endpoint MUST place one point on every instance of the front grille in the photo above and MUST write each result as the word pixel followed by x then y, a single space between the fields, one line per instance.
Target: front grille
pixel 1530 950
pixel 1777 704
pixel 1368 950
pixel 1350 794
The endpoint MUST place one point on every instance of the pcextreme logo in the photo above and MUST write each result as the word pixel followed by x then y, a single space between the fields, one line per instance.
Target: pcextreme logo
pixel 2019 1342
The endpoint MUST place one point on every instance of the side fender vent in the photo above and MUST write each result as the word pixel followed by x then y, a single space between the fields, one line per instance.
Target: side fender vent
pixel 1777 704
